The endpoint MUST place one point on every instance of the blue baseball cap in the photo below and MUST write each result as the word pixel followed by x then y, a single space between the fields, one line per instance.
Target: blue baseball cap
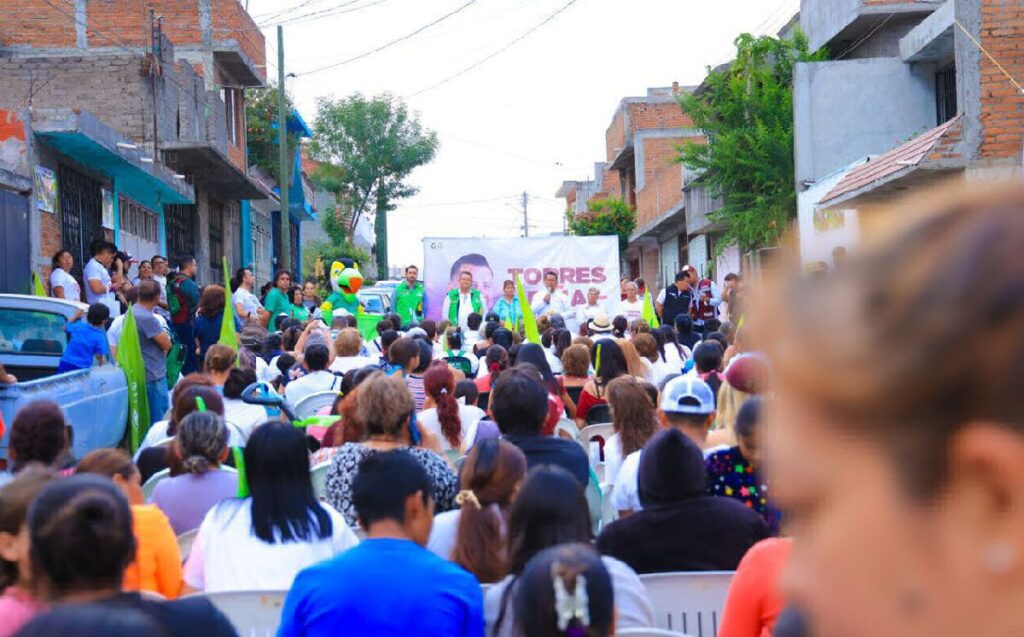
pixel 687 395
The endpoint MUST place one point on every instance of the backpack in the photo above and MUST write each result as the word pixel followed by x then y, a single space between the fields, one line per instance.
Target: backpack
pixel 176 300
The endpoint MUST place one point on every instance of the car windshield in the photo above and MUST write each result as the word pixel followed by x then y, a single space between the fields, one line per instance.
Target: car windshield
pixel 31 332
pixel 372 304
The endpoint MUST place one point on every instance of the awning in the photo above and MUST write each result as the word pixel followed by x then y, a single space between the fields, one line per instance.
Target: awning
pixel 213 169
pixel 80 136
pixel 934 151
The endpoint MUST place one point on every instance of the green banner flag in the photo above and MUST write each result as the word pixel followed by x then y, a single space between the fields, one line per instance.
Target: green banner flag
pixel 129 359
pixel 648 314
pixel 368 325
pixel 228 335
pixel 529 322
pixel 37 285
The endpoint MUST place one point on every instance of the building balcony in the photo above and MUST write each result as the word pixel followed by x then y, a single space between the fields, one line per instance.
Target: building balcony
pixel 842 23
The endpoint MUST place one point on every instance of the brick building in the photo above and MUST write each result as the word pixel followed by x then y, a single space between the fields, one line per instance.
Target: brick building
pixel 906 101
pixel 142 128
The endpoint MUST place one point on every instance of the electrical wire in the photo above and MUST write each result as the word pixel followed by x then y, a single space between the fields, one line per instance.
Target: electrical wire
pixel 493 55
pixel 393 42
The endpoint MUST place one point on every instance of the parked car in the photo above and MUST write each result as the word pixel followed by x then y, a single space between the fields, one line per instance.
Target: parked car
pixel 32 339
pixel 376 299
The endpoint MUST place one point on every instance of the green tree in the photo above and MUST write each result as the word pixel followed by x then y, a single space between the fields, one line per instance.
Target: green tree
pixel 604 217
pixel 746 112
pixel 329 252
pixel 375 143
pixel 261 124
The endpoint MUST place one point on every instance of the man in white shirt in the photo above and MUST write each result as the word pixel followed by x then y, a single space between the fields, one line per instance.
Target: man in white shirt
pixel 97 276
pixel 590 311
pixel 633 307
pixel 688 404
pixel 467 300
pixel 552 300
pixel 316 357
pixel 247 306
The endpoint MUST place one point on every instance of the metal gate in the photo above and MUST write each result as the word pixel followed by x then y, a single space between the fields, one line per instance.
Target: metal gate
pixel 15 271
pixel 81 214
pixel 180 226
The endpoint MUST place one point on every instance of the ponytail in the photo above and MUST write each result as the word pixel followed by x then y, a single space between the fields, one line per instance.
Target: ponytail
pixel 439 384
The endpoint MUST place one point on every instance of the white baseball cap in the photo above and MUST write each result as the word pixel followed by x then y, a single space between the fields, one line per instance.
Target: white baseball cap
pixel 687 395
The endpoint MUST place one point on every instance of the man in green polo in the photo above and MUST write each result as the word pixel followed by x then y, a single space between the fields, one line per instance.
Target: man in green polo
pixel 462 301
pixel 407 299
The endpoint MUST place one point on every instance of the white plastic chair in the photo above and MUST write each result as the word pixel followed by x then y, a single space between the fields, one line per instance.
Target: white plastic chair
pixel 185 541
pixel 155 479
pixel 313 403
pixel 595 502
pixel 649 632
pixel 588 433
pixel 252 613
pixel 236 435
pixel 569 428
pixel 688 602
pixel 318 475
pixel 608 512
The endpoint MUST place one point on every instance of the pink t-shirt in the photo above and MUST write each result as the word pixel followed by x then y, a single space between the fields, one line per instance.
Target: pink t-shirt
pixel 16 608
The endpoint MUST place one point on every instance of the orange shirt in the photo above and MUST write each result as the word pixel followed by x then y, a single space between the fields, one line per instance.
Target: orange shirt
pixel 754 600
pixel 157 565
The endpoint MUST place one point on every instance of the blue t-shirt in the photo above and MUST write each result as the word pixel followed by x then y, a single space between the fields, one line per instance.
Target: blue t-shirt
pixel 86 343
pixel 384 587
pixel 207 332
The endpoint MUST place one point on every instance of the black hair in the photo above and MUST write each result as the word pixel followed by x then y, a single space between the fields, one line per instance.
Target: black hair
pixel 669 336
pixel 492 317
pixel 91 620
pixel 474 320
pixel 99 246
pixel 682 275
pixel 519 401
pixel 707 356
pixel 489 328
pixel 426 354
pixel 562 340
pixel 387 338
pixel 384 482
pixel 467 389
pixel 98 314
pixel 39 433
pixel 551 509
pixel 284 507
pixel 684 324
pixel 316 357
pixel 384 325
pixel 237 380
pixel 284 364
pixel 57 255
pixel 503 336
pixel 395 319
pixel 748 417
pixel 619 326
pixel 468 259
pixel 548 273
pixel 281 273
pixel 81 535
pixel 533 354
pixel 536 606
pixel 512 353
pixel 545 338
pixel 430 327
pixel 184 261
pixel 609 361
pixel 454 339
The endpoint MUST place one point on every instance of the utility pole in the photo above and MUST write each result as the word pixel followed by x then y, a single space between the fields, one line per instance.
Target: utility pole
pixel 526 215
pixel 282 142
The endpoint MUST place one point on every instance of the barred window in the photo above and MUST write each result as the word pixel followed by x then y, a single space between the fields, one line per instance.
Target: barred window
pixel 216 231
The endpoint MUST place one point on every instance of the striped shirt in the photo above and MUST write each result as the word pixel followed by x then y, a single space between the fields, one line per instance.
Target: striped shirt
pixel 415 384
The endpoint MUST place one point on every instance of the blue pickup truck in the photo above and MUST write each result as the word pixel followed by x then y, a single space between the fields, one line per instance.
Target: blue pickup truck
pixel 32 339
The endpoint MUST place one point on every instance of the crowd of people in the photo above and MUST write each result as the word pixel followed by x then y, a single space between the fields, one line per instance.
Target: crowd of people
pixel 885 486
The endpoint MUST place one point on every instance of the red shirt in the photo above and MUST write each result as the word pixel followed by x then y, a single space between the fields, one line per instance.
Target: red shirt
pixel 754 600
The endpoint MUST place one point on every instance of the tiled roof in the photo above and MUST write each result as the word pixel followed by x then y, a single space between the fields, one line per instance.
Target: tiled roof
pixel 900 159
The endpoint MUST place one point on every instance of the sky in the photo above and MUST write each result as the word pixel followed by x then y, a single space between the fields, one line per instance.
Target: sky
pixel 512 115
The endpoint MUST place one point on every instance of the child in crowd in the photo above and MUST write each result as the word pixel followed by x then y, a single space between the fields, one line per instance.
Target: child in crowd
pixel 88 341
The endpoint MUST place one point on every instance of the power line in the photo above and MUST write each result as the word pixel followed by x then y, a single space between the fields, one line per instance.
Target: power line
pixel 458 203
pixel 393 42
pixel 323 13
pixel 270 15
pixel 508 46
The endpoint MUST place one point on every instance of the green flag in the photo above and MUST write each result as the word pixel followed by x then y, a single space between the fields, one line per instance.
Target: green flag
pixel 129 359
pixel 228 335
pixel 529 322
pixel 368 325
pixel 37 285
pixel 648 314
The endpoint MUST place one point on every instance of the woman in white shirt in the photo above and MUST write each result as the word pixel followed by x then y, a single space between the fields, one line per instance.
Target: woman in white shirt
pixel 348 345
pixel 633 418
pixel 62 284
pixel 474 535
pixel 261 542
pixel 237 412
pixel 442 413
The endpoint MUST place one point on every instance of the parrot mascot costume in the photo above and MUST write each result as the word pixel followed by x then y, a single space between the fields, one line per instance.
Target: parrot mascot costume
pixel 345 281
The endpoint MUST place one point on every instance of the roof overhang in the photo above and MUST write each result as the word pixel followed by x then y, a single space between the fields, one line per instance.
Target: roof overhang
pixel 668 224
pixel 212 169
pixel 624 158
pixel 80 136
pixel 228 55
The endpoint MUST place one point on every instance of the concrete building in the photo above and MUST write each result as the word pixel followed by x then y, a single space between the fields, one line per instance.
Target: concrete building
pixel 907 100
pixel 126 128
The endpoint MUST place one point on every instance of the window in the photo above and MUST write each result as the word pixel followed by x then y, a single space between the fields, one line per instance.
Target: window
pixel 216 231
pixel 32 332
pixel 180 220
pixel 945 94
pixel 234 114
pixel 139 221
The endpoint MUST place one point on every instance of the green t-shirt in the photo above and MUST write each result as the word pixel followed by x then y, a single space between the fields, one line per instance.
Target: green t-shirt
pixel 277 303
pixel 300 312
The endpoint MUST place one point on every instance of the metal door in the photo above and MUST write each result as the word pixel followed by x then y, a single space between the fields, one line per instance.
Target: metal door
pixel 180 226
pixel 15 271
pixel 81 213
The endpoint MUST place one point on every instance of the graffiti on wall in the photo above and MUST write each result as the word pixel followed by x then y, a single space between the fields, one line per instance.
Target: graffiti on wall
pixel 12 142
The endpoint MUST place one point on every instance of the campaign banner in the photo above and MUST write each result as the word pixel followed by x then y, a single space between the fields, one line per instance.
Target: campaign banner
pixel 581 263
